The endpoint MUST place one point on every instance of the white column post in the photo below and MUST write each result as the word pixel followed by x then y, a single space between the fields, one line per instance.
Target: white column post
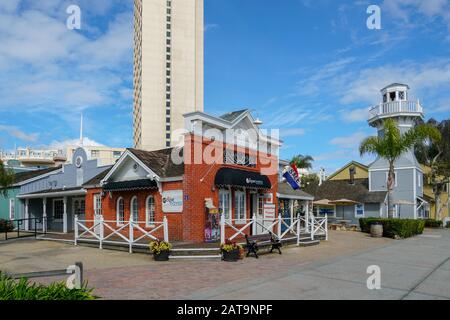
pixel 101 231
pixel 44 215
pixel 326 228
pixel 280 221
pixel 131 234
pixel 254 224
pixel 298 228
pixel 312 226
pixel 166 229
pixel 76 230
pixel 222 228
pixel 27 225
pixel 65 215
pixel 307 216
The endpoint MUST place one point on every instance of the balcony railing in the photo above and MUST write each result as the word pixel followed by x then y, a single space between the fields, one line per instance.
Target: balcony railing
pixel 395 107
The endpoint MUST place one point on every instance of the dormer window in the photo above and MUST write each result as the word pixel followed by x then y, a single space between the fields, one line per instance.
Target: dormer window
pixel 401 95
pixel 384 98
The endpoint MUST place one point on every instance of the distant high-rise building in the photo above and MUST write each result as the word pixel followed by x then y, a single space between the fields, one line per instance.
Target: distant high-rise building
pixel 168 68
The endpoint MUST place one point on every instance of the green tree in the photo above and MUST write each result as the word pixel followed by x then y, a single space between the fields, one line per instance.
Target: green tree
pixel 392 144
pixel 302 162
pixel 436 155
pixel 6 179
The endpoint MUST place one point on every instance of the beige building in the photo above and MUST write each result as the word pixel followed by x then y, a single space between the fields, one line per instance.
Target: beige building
pixel 168 69
pixel 105 155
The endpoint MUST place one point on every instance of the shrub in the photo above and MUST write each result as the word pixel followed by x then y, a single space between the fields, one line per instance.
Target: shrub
pixel 24 290
pixel 6 225
pixel 432 223
pixel 156 247
pixel 392 228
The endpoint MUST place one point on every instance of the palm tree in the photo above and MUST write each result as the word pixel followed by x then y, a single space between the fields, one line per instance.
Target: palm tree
pixel 392 145
pixel 6 179
pixel 302 162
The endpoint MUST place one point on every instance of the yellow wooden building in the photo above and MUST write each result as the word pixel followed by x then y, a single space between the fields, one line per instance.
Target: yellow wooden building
pixel 361 171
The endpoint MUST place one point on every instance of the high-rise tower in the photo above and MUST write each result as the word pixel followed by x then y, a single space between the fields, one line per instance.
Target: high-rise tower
pixel 168 68
pixel 408 190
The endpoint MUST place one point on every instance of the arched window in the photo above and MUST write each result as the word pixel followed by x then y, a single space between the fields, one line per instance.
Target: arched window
pixel 134 209
pixel 150 211
pixel 120 211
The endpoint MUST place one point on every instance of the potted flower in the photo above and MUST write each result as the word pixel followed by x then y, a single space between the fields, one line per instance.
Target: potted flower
pixel 231 251
pixel 160 250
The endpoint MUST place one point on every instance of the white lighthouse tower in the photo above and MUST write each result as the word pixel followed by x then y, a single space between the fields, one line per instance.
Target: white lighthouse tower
pixel 408 189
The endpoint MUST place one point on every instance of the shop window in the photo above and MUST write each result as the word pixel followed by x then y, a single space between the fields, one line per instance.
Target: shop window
pixel 120 211
pixel 134 209
pixel 239 206
pixel 58 210
pixel 224 204
pixel 359 210
pixel 12 207
pixel 150 211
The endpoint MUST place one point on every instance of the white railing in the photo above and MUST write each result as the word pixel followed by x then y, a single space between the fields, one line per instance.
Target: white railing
pixel 396 107
pixel 96 233
pixel 319 226
pixel 314 226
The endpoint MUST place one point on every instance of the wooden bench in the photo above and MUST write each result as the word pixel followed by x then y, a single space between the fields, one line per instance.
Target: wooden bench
pixel 262 240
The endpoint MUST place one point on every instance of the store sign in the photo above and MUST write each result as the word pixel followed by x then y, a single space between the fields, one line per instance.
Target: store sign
pixel 172 201
pixel 254 182
pixel 269 211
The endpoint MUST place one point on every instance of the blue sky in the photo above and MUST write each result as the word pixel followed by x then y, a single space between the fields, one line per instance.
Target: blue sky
pixel 309 68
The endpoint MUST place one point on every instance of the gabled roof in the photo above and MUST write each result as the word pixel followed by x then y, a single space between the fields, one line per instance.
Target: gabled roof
pixel 285 190
pixel 342 189
pixel 160 162
pixel 95 181
pixel 354 163
pixel 231 116
pixel 24 176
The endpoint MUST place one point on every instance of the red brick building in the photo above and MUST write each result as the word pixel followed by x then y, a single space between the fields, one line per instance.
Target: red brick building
pixel 191 184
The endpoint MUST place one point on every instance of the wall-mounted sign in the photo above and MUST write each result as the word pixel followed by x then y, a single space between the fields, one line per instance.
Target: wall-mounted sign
pixel 269 211
pixel 172 201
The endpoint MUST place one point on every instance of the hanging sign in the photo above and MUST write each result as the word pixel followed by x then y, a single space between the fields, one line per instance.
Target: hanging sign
pixel 269 211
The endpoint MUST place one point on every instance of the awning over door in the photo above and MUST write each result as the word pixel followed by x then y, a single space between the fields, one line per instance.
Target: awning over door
pixel 241 178
pixel 130 185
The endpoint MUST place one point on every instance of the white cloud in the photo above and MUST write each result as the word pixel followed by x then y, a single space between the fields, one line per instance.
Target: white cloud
pixel 19 134
pixel 349 142
pixel 355 115
pixel 210 26
pixel 74 142
pixel 292 132
pixel 46 67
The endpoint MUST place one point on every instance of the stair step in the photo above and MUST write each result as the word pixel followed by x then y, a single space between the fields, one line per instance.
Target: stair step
pixel 218 256
pixel 309 243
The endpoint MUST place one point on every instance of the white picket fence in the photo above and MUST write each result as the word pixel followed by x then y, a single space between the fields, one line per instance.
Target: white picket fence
pixel 96 232
pixel 314 226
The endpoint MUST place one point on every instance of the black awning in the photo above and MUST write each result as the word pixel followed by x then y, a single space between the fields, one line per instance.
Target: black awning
pixel 130 185
pixel 241 178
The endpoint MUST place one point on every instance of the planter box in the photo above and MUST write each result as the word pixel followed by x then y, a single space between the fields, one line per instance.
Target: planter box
pixel 163 256
pixel 231 256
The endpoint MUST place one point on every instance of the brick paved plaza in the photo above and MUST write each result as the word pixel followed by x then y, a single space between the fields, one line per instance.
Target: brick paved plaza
pixel 333 270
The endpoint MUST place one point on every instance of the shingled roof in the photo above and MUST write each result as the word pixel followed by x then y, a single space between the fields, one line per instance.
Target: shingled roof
pixel 231 116
pixel 342 189
pixel 284 189
pixel 160 162
pixel 95 181
pixel 27 175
